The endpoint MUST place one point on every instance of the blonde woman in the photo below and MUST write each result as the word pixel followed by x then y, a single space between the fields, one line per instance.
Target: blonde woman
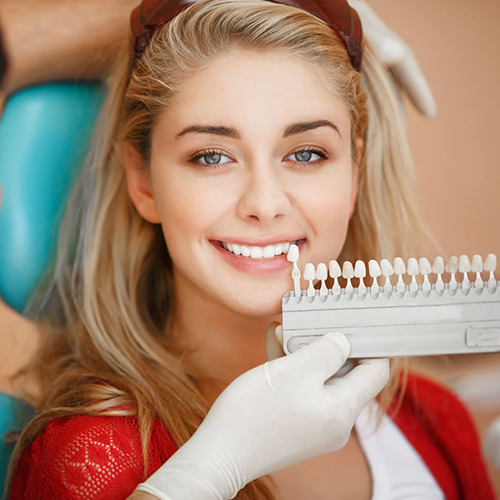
pixel 234 128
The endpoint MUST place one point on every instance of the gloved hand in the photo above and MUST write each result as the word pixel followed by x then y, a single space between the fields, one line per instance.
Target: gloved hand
pixel 398 57
pixel 273 416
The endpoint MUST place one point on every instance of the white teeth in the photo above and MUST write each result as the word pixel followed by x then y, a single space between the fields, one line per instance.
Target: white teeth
pixel 452 266
pixel 386 267
pixel 293 253
pixel 268 252
pixel 360 269
pixel 310 275
pixel 399 266
pixel 464 264
pixel 477 264
pixel 490 264
pixel 477 267
pixel 425 266
pixel 334 269
pixel 413 268
pixel 425 270
pixel 374 269
pixel 347 270
pixel 321 272
pixel 438 266
pixel 256 252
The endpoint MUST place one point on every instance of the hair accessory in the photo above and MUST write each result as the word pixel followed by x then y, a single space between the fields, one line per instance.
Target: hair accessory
pixel 397 320
pixel 150 15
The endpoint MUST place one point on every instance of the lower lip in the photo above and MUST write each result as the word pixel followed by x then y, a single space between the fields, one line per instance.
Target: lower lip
pixel 256 266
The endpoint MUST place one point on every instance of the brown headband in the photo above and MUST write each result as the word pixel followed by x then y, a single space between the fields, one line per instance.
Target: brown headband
pixel 150 15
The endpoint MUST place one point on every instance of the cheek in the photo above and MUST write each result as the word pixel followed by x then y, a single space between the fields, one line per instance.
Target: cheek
pixel 326 206
pixel 189 206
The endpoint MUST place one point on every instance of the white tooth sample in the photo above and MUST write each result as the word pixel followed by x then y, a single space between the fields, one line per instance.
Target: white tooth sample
pixel 452 268
pixel 236 249
pixel 425 270
pixel 490 265
pixel 286 247
pixel 464 267
pixel 268 252
pixel 335 273
pixel 322 274
pixel 413 270
pixel 348 274
pixel 438 268
pixel 256 252
pixel 387 271
pixel 477 267
pixel 293 256
pixel 399 270
pixel 245 251
pixel 278 249
pixel 375 272
pixel 310 275
pixel 360 272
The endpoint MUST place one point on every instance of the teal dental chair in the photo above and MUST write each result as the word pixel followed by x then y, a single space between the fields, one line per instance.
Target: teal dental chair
pixel 44 136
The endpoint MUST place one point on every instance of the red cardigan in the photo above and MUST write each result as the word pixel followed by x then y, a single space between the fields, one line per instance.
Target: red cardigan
pixel 97 458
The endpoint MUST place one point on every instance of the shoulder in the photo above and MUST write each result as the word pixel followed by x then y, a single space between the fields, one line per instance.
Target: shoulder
pixel 86 457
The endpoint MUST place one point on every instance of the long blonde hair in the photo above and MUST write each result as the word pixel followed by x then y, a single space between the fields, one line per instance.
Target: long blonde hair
pixel 104 312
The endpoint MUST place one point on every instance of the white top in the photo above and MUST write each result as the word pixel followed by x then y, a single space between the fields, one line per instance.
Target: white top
pixel 398 471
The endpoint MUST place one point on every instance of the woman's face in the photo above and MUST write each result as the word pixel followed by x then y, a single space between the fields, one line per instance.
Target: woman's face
pixel 253 155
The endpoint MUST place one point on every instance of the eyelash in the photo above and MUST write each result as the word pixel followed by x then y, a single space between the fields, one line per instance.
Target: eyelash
pixel 194 159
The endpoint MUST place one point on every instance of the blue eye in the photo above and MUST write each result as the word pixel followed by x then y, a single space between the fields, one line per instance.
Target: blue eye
pixel 212 158
pixel 304 156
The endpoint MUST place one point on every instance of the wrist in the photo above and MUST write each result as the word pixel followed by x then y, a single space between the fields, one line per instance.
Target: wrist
pixel 195 471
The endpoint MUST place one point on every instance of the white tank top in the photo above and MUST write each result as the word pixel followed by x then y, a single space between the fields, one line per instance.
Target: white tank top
pixel 398 471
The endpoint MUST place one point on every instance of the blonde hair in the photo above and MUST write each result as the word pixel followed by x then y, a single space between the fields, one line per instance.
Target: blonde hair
pixel 104 313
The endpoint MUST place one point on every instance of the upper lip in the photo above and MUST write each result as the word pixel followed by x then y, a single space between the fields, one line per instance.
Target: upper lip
pixel 262 242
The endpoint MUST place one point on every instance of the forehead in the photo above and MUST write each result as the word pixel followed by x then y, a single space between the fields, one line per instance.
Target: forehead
pixel 256 90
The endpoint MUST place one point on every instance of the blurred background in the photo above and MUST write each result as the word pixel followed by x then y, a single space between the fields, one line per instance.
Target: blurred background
pixel 457 158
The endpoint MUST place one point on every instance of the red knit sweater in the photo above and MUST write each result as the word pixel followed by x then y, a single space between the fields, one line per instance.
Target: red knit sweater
pixel 97 458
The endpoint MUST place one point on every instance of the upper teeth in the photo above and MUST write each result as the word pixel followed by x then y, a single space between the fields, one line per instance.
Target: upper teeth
pixel 257 252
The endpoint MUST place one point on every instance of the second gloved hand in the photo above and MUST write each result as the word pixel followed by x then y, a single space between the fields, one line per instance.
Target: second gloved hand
pixel 273 416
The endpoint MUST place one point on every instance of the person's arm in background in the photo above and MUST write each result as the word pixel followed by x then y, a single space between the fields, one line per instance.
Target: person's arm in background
pixel 61 39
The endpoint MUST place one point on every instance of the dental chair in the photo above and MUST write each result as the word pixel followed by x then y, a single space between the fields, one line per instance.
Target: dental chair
pixel 45 133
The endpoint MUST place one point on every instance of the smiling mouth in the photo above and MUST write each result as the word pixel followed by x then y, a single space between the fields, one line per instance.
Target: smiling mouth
pixel 259 252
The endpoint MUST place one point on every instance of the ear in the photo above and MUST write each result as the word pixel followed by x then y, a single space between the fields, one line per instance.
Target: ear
pixel 139 184
pixel 355 175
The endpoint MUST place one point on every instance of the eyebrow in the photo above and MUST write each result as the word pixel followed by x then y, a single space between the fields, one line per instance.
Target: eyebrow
pixel 294 128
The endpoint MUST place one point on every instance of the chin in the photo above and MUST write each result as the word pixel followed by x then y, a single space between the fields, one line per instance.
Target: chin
pixel 267 303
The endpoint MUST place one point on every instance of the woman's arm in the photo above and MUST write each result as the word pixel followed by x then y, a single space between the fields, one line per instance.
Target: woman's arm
pixel 61 39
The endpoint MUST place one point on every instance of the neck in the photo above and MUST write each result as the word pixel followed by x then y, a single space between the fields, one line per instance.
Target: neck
pixel 217 343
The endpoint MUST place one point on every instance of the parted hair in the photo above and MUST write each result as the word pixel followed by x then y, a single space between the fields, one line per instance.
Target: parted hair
pixel 103 311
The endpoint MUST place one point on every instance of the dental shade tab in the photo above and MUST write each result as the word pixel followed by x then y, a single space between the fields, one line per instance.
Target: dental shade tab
pixel 386 320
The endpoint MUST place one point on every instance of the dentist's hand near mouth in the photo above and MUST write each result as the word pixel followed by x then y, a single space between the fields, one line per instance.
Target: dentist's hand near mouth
pixel 252 428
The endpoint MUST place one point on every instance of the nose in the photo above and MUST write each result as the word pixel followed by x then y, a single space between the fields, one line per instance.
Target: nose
pixel 263 197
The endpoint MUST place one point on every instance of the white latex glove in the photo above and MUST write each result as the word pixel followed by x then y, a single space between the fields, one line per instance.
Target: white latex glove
pixel 273 416
pixel 399 58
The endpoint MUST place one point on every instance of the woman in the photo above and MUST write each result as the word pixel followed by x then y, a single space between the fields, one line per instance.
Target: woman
pixel 236 129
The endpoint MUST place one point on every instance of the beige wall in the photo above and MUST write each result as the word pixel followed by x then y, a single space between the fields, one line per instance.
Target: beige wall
pixel 457 154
